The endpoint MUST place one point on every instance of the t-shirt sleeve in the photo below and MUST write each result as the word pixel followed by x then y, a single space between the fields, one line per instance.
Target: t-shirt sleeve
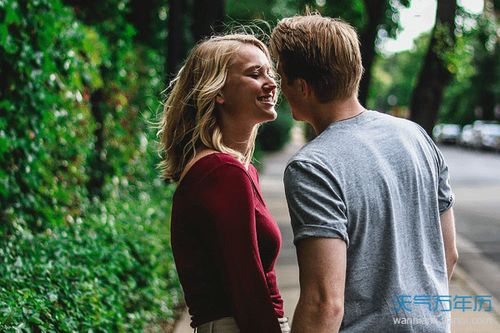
pixel 232 209
pixel 315 202
pixel 446 197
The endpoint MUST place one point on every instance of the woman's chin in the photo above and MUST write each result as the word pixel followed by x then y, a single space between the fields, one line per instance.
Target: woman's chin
pixel 272 115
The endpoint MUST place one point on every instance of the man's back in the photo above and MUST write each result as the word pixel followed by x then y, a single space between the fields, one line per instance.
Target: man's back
pixel 379 183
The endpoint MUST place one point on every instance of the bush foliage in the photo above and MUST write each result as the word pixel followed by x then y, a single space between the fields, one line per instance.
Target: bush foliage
pixel 45 125
pixel 76 99
pixel 109 272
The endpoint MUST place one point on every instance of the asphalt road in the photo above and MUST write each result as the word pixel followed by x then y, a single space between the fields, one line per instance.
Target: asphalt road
pixel 475 178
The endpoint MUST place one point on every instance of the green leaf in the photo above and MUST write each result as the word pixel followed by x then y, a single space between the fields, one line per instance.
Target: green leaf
pixel 3 34
pixel 11 15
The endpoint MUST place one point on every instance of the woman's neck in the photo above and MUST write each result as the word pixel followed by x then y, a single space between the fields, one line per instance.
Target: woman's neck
pixel 237 138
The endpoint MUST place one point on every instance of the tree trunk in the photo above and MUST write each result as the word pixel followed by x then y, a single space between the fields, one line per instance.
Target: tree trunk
pixel 208 17
pixel 175 43
pixel 142 15
pixel 97 164
pixel 487 67
pixel 375 10
pixel 434 76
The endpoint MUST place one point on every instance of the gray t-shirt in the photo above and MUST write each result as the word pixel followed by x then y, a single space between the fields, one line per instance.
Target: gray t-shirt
pixel 380 184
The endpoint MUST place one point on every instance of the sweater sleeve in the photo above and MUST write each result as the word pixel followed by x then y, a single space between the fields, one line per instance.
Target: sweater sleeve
pixel 231 206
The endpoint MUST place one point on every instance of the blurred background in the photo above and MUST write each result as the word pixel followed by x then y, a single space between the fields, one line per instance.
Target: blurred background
pixel 84 217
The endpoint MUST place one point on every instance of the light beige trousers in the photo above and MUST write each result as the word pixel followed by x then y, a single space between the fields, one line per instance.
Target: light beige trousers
pixel 228 325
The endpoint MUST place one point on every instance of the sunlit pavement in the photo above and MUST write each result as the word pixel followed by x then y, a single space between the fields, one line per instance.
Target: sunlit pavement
pixel 287 270
pixel 475 177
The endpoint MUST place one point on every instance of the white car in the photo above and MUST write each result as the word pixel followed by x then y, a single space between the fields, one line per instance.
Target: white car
pixel 467 137
pixel 490 136
pixel 446 133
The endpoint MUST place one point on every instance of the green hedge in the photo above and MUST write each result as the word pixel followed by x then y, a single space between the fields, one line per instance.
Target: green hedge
pixel 70 261
pixel 117 104
pixel 48 63
pixel 109 273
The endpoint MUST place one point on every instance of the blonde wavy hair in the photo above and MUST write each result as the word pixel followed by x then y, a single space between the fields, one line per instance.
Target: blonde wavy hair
pixel 189 118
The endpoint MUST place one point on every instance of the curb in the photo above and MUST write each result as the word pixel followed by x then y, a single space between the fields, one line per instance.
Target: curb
pixel 461 275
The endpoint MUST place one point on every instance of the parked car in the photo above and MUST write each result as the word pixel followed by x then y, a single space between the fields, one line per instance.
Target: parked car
pixel 467 137
pixel 446 133
pixel 490 136
pixel 480 134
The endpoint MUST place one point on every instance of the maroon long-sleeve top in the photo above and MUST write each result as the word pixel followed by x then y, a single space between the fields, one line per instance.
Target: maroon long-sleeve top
pixel 225 244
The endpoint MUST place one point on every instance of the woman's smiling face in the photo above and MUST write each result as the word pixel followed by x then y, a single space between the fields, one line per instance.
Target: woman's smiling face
pixel 250 91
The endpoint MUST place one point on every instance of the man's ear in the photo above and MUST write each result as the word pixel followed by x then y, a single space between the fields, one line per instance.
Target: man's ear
pixel 219 99
pixel 304 87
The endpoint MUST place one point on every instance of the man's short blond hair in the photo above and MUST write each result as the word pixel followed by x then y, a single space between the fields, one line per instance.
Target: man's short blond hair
pixel 321 50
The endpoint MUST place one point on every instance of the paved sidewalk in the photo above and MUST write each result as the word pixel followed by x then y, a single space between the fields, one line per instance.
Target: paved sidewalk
pixel 287 270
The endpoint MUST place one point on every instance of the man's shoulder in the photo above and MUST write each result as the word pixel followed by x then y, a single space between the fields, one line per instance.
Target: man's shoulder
pixel 400 122
pixel 391 120
pixel 307 164
pixel 396 127
pixel 310 153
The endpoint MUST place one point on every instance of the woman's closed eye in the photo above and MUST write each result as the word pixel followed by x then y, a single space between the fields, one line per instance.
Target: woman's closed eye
pixel 257 74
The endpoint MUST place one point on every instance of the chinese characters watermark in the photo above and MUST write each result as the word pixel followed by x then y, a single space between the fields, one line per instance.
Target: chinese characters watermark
pixel 443 303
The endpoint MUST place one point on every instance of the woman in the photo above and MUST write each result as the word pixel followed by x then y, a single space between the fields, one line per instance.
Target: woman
pixel 224 240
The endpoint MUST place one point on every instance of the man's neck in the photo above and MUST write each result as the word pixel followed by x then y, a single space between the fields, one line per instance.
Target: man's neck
pixel 330 112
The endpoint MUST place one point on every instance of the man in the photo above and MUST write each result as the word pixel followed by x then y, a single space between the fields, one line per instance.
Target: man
pixel 369 197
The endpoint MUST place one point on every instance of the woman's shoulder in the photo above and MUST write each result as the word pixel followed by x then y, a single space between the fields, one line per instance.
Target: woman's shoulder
pixel 219 160
pixel 224 166
pixel 213 165
pixel 225 159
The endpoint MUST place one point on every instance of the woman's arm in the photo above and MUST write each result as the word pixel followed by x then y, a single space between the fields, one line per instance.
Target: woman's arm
pixel 232 209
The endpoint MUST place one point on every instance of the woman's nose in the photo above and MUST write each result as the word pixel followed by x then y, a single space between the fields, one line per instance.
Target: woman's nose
pixel 270 84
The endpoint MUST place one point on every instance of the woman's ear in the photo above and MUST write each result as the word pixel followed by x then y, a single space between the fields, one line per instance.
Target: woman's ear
pixel 219 99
